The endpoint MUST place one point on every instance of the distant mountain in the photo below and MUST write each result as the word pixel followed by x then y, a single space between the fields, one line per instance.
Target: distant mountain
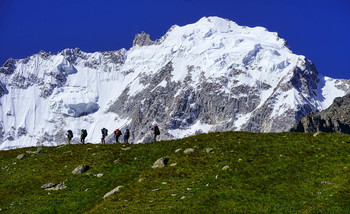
pixel 335 119
pixel 213 75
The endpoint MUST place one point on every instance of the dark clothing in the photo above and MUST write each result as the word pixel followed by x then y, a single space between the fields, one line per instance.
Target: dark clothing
pixel 126 136
pixel 83 136
pixel 117 134
pixel 117 138
pixel 156 132
pixel 82 139
pixel 104 134
pixel 69 135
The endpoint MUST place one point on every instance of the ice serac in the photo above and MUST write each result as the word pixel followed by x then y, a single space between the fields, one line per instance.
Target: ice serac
pixel 213 75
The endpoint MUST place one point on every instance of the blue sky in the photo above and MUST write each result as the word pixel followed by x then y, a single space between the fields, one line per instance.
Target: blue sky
pixel 317 29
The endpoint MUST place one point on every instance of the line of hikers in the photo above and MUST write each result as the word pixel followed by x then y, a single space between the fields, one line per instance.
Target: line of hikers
pixel 117 134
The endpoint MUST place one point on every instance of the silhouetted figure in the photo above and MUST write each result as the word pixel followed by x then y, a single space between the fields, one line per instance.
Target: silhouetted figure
pixel 156 132
pixel 104 134
pixel 117 134
pixel 126 136
pixel 69 135
pixel 83 136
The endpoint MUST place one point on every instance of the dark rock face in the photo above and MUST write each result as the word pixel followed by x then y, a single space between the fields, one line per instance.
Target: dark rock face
pixel 142 39
pixel 8 67
pixel 335 119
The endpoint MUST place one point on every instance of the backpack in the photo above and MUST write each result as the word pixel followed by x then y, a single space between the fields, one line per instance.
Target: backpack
pixel 83 133
pixel 70 134
pixel 156 130
pixel 117 132
pixel 104 131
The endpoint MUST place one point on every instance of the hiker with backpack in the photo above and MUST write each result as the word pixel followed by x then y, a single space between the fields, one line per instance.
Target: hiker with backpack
pixel 126 136
pixel 104 134
pixel 83 136
pixel 69 135
pixel 156 132
pixel 117 134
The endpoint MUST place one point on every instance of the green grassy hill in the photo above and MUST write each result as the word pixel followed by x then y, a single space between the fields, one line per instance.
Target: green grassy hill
pixel 243 173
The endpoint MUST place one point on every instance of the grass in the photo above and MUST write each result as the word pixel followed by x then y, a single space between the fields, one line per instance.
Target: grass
pixel 276 172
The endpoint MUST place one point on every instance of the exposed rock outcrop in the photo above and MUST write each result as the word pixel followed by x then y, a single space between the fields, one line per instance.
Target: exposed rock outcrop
pixel 335 119
pixel 142 39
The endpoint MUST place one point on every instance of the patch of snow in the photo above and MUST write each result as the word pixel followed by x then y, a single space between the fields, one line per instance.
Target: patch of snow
pixel 197 127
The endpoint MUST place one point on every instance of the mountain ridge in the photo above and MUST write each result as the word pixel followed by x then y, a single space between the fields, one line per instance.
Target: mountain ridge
pixel 213 75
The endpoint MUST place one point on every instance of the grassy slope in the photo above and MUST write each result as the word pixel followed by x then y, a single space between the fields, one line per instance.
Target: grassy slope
pixel 284 172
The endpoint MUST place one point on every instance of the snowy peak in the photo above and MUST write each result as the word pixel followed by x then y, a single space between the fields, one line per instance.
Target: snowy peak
pixel 212 75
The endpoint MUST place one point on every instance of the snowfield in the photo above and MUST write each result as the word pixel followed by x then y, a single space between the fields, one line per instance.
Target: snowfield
pixel 212 75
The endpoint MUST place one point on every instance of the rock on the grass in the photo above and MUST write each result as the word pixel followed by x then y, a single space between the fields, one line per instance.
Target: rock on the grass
pixel 317 133
pixel 112 192
pixel 225 167
pixel 178 150
pixel 54 186
pixel 209 150
pixel 34 152
pixel 80 169
pixel 160 163
pixel 189 150
pixel 20 157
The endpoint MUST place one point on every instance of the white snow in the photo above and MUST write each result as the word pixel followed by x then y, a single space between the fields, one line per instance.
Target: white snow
pixel 210 48
pixel 197 127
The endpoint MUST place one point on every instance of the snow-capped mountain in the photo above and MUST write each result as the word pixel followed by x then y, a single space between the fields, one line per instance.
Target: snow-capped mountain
pixel 212 75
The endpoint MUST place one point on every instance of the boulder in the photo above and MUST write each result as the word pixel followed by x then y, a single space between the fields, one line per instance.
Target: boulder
pixel 177 150
pixel 209 150
pixel 188 151
pixel 225 167
pixel 80 169
pixel 20 157
pixel 160 163
pixel 54 186
pixel 112 192
pixel 34 152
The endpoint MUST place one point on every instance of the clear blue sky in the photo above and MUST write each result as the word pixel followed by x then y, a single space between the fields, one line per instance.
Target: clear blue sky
pixel 318 29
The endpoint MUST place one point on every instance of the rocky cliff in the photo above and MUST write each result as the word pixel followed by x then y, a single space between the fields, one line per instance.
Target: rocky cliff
pixel 335 119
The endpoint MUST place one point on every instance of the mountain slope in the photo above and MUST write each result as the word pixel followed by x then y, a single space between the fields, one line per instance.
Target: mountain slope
pixel 227 172
pixel 335 119
pixel 213 75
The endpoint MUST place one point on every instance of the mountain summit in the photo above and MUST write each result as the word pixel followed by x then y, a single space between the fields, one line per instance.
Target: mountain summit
pixel 212 75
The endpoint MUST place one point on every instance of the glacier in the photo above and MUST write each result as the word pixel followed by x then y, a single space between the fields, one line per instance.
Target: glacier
pixel 212 75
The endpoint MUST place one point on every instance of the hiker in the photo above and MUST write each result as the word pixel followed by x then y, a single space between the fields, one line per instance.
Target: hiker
pixel 83 136
pixel 117 134
pixel 69 135
pixel 156 132
pixel 104 134
pixel 126 136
